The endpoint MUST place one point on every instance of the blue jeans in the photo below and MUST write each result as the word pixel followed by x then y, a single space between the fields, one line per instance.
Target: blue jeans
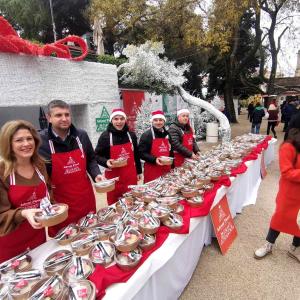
pixel 255 128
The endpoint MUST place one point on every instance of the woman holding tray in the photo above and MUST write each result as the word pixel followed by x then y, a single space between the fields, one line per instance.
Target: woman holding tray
pixel 115 145
pixel 284 218
pixel 155 148
pixel 23 184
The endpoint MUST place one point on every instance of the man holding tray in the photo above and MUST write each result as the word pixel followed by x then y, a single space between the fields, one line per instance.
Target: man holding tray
pixel 155 149
pixel 69 158
pixel 182 138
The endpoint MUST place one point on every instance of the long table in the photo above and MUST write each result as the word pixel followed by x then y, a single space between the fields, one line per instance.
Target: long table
pixel 168 270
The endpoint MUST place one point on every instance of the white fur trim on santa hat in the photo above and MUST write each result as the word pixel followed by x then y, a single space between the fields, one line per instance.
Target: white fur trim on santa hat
pixel 117 112
pixel 182 111
pixel 158 116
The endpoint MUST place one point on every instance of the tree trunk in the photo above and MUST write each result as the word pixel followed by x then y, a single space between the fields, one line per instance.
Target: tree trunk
pixel 273 50
pixel 228 92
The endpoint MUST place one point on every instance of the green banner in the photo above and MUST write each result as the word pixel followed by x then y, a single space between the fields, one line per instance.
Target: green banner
pixel 102 122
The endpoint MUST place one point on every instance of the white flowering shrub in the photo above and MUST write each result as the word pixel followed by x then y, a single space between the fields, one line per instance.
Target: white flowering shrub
pixel 147 70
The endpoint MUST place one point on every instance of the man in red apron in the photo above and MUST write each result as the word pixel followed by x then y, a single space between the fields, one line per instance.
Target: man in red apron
pixel 182 138
pixel 114 143
pixel 154 143
pixel 69 158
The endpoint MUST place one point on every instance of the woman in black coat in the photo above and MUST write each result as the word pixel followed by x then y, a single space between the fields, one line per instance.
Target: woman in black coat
pixel 117 142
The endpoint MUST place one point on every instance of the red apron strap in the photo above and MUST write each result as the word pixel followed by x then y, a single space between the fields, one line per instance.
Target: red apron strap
pixel 111 138
pixel 80 146
pixel 52 149
pixel 43 180
pixel 12 178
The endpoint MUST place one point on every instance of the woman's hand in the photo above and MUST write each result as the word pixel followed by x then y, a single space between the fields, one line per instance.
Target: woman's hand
pixel 139 177
pixel 29 214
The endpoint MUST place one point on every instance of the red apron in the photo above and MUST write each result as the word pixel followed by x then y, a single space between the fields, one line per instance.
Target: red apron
pixel 127 175
pixel 24 236
pixel 160 147
pixel 187 142
pixel 71 184
pixel 287 203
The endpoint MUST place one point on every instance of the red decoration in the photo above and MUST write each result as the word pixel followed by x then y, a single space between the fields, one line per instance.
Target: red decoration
pixel 10 42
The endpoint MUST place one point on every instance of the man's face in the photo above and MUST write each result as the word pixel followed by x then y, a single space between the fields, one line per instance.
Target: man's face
pixel 183 118
pixel 118 122
pixel 60 118
pixel 158 123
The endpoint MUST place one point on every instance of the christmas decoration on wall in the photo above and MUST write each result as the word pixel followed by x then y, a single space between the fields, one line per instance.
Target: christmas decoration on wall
pixel 147 70
pixel 102 121
pixel 10 42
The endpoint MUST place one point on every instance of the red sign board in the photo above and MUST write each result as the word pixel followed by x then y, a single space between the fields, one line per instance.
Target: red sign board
pixel 132 100
pixel 223 224
pixel 263 170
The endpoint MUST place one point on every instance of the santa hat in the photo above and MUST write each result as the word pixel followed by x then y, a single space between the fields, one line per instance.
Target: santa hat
pixel 182 111
pixel 117 112
pixel 158 114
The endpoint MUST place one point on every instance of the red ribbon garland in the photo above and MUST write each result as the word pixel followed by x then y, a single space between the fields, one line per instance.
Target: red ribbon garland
pixel 10 42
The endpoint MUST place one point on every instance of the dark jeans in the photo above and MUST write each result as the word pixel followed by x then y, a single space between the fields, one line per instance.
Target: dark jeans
pixel 273 235
pixel 255 128
pixel 272 125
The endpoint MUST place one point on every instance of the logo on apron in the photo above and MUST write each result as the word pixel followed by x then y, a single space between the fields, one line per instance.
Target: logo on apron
pixel 163 147
pixel 190 141
pixel 71 167
pixel 124 154
pixel 32 202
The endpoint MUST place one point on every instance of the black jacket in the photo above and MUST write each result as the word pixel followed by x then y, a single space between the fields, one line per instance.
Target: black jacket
pixel 175 131
pixel 294 123
pixel 145 144
pixel 119 137
pixel 258 114
pixel 67 145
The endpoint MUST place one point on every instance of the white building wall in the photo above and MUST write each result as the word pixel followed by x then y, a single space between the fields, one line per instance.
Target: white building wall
pixel 35 81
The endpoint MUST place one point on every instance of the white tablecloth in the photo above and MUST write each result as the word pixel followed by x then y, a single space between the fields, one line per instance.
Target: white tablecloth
pixel 168 270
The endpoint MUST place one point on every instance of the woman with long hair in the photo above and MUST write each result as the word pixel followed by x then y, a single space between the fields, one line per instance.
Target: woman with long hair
pixel 23 184
pixel 284 218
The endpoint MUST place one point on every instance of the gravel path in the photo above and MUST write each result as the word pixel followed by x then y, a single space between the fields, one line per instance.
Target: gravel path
pixel 237 275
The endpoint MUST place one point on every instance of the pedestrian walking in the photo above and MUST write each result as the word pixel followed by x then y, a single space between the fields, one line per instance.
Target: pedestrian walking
pixel 257 116
pixel 273 118
pixel 284 218
pixel 289 110
pixel 250 109
pixel 114 143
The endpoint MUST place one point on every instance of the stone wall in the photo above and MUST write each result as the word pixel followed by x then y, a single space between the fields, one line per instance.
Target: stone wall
pixel 30 81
